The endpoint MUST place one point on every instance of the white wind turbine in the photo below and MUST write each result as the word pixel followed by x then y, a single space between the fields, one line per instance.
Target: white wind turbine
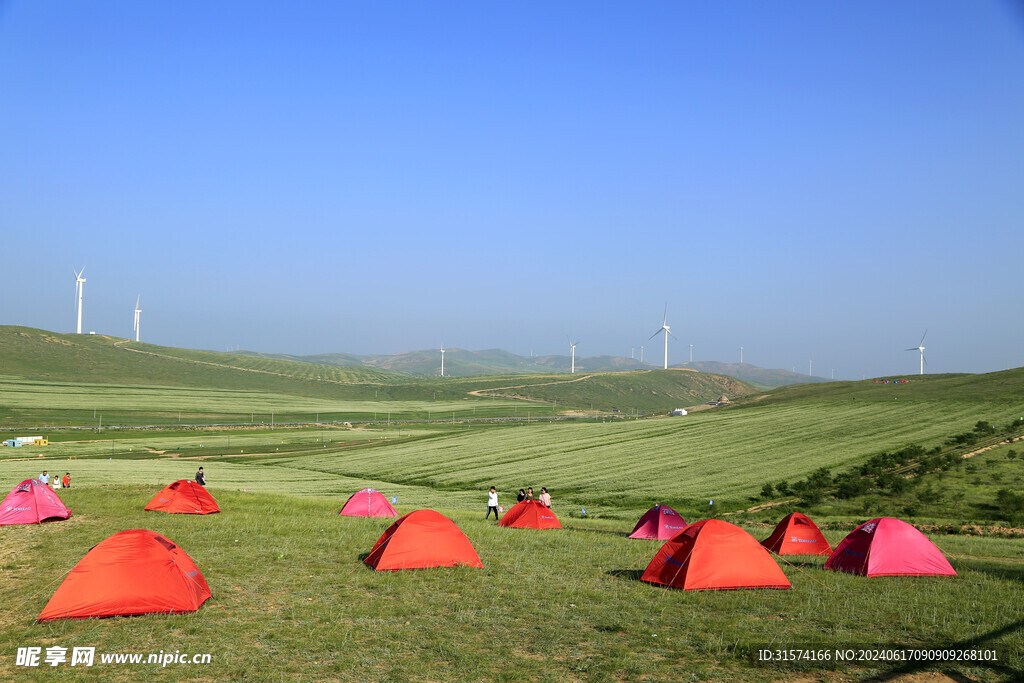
pixel 920 348
pixel 79 281
pixel 572 347
pixel 665 328
pixel 741 355
pixel 442 360
pixel 135 325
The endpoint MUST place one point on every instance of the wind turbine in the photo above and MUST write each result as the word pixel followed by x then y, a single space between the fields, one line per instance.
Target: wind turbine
pixel 138 310
pixel 920 347
pixel 665 328
pixel 442 360
pixel 572 369
pixel 741 355
pixel 691 353
pixel 79 281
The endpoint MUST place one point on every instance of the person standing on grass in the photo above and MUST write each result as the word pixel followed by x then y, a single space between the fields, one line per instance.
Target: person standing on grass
pixel 545 497
pixel 492 504
pixel 521 497
pixel 200 477
pixel 44 477
pixel 67 480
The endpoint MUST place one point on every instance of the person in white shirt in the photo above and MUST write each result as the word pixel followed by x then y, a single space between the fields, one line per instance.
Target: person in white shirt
pixel 492 504
pixel 545 497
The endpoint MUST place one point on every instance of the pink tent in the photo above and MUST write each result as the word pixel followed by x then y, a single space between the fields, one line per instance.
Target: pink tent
pixel 368 503
pixel 32 502
pixel 888 547
pixel 660 522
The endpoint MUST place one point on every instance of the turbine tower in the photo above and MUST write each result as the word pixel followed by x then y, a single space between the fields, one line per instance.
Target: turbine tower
pixel 919 347
pixel 691 353
pixel 138 310
pixel 79 282
pixel 665 328
pixel 572 347
pixel 741 355
pixel 442 360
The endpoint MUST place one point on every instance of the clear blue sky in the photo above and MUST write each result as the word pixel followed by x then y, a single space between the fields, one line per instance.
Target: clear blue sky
pixel 808 180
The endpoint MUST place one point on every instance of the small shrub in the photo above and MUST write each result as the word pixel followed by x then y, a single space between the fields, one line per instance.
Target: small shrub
pixel 767 491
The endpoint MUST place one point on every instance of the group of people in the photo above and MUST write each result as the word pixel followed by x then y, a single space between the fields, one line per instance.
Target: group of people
pixel 57 482
pixel 524 494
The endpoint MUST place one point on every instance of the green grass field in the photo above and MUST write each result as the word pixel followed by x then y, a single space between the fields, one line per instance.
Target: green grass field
pixel 293 600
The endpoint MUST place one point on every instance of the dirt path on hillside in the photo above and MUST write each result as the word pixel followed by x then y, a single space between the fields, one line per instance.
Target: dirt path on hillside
pixel 480 393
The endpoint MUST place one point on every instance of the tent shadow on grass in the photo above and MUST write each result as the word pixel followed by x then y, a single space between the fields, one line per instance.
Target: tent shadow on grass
pixel 627 574
pixel 985 640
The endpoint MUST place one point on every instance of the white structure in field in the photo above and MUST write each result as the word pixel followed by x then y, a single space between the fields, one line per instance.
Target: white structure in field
pixel 138 310
pixel 665 328
pixel 920 347
pixel 678 412
pixel 79 282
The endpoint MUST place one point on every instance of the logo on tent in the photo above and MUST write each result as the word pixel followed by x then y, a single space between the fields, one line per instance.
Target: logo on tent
pixel 672 560
pixel 869 527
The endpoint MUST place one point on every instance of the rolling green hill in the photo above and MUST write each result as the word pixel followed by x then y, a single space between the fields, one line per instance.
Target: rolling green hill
pixel 75 379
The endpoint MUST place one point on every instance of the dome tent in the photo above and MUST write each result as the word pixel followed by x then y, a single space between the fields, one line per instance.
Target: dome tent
pixel 184 496
pixel 132 572
pixel 420 540
pixel 885 546
pixel 797 534
pixel 660 522
pixel 714 555
pixel 368 503
pixel 32 502
pixel 530 514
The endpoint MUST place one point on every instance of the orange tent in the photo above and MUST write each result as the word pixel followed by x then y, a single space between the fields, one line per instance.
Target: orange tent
pixel 132 572
pixel 422 539
pixel 184 496
pixel 530 514
pixel 796 534
pixel 714 555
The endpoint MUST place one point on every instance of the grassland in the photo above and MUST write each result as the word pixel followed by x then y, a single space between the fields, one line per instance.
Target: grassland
pixel 292 599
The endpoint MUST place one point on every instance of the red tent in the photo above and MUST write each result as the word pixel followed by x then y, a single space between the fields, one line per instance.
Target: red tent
pixel 184 496
pixel 530 514
pixel 32 502
pixel 660 522
pixel 796 534
pixel 714 555
pixel 888 547
pixel 132 572
pixel 422 539
pixel 368 503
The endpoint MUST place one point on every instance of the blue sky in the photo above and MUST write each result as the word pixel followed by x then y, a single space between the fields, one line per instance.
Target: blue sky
pixel 811 180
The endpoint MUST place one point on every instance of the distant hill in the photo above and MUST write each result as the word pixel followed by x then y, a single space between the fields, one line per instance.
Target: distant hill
pixel 50 357
pixel 465 363
pixel 759 377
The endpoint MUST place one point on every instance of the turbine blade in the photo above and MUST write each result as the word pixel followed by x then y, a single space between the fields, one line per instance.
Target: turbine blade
pixel 665 321
pixel 673 336
pixel 655 334
pixel 922 337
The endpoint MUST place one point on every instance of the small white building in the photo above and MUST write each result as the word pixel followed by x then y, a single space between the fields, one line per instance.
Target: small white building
pixel 678 411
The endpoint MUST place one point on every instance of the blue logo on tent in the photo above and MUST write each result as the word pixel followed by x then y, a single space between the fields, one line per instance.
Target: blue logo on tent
pixel 672 560
pixel 850 552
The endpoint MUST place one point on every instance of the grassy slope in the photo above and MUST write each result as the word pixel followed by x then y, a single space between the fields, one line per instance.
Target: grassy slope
pixel 54 362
